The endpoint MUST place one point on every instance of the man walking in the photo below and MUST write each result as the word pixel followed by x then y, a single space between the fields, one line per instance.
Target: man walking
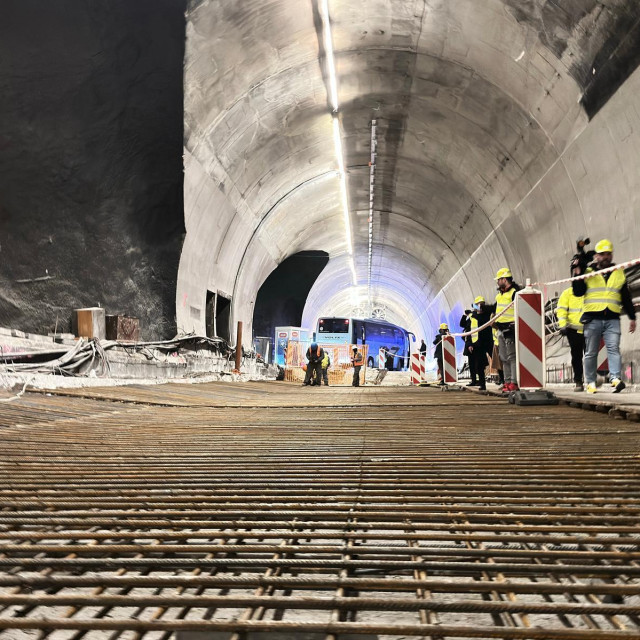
pixel 357 361
pixel 569 311
pixel 605 297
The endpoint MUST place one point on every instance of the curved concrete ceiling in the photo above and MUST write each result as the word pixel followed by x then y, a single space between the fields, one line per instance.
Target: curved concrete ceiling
pixel 477 107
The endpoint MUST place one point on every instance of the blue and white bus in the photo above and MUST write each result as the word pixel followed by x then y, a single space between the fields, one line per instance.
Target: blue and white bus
pixel 377 334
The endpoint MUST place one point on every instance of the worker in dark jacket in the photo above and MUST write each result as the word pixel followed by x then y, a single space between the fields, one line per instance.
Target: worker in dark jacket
pixel 438 353
pixel 478 344
pixel 357 360
pixel 482 315
pixel 605 298
pixel 315 355
pixel 465 325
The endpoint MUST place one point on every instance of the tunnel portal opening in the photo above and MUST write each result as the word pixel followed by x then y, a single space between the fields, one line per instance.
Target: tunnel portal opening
pixel 282 296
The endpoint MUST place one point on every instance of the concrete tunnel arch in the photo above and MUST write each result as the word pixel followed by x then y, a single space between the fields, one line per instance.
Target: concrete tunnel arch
pixel 487 155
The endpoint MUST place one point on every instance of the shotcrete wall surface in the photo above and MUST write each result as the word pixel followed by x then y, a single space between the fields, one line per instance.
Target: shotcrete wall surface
pixel 504 132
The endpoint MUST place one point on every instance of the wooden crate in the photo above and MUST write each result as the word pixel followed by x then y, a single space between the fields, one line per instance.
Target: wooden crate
pixel 123 328
pixel 89 323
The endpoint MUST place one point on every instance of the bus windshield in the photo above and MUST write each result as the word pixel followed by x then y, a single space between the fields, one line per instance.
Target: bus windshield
pixel 333 325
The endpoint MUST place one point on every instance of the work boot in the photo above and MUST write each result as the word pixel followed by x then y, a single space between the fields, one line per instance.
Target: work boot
pixel 591 388
pixel 579 387
pixel 505 387
pixel 482 387
pixel 513 387
pixel 618 385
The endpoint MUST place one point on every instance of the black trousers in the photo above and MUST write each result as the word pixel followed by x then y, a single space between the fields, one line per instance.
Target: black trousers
pixel 576 343
pixel 477 365
pixel 356 377
pixel 314 373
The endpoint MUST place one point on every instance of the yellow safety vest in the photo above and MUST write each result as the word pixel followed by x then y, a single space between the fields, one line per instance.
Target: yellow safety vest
pixel 503 300
pixel 474 325
pixel 570 310
pixel 325 361
pixel 603 294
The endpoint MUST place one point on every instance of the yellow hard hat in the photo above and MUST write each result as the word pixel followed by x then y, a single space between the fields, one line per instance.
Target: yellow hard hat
pixel 444 325
pixel 479 299
pixel 505 272
pixel 604 246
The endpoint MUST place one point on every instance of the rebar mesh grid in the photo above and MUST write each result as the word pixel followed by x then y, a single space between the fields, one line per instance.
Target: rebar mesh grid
pixel 261 510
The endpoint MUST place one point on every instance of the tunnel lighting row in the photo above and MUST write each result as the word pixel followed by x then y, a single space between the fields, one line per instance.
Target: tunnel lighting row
pixel 337 136
pixel 372 179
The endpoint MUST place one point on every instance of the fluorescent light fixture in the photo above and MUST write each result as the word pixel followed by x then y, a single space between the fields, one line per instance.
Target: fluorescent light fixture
pixel 372 179
pixel 328 47
pixel 337 138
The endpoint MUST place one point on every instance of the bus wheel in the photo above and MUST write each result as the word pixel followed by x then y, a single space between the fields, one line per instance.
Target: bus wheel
pixel 370 362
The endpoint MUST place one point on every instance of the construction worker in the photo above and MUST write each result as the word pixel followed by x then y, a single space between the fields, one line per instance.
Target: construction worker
pixel 506 326
pixel 314 354
pixel 479 344
pixel 495 357
pixel 569 311
pixel 605 297
pixel 357 360
pixel 438 354
pixel 326 363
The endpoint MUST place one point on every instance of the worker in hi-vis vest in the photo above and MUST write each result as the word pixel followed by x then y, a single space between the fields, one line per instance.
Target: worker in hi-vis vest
pixel 569 311
pixel 506 326
pixel 605 297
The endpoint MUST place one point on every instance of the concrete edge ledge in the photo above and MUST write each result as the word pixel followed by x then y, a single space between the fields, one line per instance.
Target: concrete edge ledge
pixel 614 409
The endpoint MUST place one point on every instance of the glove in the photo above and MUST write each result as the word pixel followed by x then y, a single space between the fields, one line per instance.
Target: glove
pixel 564 331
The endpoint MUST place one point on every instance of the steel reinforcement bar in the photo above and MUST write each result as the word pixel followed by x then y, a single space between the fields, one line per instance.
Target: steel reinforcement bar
pixel 266 509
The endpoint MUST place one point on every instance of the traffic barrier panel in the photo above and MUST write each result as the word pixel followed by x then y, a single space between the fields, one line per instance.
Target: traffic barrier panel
pixel 450 373
pixel 414 369
pixel 530 346
pixel 382 359
pixel 603 359
pixel 423 366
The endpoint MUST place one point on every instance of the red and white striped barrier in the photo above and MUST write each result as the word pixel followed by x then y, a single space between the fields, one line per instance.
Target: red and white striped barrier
pixel 414 369
pixel 450 373
pixel 382 359
pixel 603 359
pixel 423 366
pixel 530 343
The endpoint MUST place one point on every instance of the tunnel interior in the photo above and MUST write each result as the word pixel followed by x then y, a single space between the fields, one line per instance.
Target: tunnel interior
pixel 444 141
pixel 157 153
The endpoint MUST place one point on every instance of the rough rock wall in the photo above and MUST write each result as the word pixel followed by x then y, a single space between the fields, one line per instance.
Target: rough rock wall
pixel 90 160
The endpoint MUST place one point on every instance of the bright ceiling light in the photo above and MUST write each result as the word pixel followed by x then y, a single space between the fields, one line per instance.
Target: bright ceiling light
pixel 328 47
pixel 337 137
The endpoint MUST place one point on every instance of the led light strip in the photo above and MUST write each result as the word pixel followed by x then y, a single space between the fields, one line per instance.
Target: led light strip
pixel 372 179
pixel 337 138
